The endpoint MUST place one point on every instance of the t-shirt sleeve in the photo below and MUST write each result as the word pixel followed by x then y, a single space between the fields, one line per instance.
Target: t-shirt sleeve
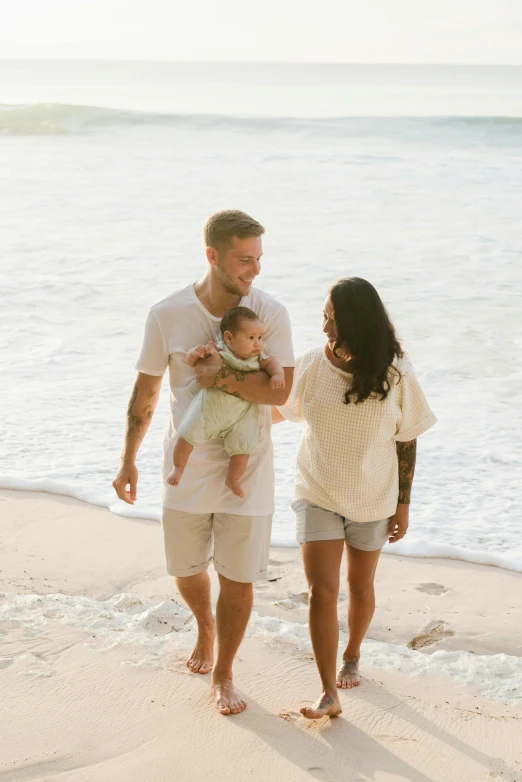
pixel 292 410
pixel 416 414
pixel 279 338
pixel 154 357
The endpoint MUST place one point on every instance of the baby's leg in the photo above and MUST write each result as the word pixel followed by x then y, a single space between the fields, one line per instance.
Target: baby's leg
pixel 182 451
pixel 236 467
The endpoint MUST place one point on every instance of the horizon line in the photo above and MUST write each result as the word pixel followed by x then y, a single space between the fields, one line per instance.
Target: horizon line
pixel 265 62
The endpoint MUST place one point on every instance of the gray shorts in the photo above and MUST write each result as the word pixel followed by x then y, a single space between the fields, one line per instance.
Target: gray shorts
pixel 314 523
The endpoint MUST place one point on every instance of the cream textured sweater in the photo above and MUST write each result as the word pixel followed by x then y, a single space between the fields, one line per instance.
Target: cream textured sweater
pixel 347 459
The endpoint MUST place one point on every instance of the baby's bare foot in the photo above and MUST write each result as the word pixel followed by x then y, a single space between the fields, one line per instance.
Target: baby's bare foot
pixel 227 699
pixel 326 706
pixel 349 675
pixel 235 487
pixel 175 476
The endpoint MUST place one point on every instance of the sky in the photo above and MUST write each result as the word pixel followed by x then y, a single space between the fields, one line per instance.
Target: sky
pixel 454 31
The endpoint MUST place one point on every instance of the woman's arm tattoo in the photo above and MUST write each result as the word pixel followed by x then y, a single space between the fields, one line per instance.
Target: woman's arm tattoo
pixel 407 454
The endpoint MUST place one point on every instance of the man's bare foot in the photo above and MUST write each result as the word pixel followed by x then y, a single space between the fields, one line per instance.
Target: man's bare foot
pixel 227 699
pixel 202 658
pixel 235 487
pixel 175 476
pixel 326 706
pixel 348 675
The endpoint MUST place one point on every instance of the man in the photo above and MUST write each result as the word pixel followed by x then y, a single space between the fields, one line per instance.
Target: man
pixel 202 519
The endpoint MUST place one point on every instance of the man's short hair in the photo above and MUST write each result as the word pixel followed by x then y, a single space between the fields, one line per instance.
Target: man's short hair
pixel 233 318
pixel 222 227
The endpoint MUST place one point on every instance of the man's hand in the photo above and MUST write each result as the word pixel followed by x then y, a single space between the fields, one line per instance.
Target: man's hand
pixel 127 476
pixel 206 370
pixel 399 523
pixel 140 410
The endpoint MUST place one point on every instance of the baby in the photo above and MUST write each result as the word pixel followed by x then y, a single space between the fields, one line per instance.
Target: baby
pixel 213 413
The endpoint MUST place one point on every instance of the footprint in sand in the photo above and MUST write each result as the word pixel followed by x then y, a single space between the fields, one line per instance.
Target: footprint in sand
pixel 290 716
pixel 286 604
pixel 431 588
pixel 433 633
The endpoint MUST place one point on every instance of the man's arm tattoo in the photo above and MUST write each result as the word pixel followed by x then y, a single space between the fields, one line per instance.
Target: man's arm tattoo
pixel 407 454
pixel 221 379
pixel 135 423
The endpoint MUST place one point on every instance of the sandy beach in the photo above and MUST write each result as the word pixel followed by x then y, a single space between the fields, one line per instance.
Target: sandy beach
pixel 93 686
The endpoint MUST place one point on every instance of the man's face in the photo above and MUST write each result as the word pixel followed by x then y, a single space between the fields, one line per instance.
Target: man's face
pixel 237 265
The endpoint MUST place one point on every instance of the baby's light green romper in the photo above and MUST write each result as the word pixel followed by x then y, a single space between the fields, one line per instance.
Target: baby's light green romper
pixel 213 413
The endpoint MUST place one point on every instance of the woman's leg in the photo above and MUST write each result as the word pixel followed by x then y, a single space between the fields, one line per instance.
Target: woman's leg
pixel 322 561
pixel 361 567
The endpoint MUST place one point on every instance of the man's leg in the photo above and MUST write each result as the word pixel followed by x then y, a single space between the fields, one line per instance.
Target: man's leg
pixel 195 591
pixel 232 613
pixel 188 549
pixel 241 551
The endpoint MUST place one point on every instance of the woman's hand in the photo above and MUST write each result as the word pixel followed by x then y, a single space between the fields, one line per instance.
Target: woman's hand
pixel 399 523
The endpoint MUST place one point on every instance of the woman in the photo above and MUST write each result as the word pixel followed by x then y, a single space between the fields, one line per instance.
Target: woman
pixel 363 410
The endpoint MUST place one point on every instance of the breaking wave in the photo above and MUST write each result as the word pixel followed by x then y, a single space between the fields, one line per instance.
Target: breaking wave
pixel 65 119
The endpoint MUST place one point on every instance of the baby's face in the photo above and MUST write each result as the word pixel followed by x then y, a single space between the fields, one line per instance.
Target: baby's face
pixel 247 340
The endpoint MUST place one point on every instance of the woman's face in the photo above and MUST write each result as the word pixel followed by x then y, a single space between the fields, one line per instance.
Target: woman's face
pixel 329 327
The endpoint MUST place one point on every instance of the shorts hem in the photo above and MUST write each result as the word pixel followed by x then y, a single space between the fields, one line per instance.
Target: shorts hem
pixel 192 571
pixel 312 537
pixel 309 537
pixel 367 547
pixel 189 440
pixel 242 579
pixel 229 511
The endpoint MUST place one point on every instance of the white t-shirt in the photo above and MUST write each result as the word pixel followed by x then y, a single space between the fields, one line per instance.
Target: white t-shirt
pixel 347 459
pixel 173 327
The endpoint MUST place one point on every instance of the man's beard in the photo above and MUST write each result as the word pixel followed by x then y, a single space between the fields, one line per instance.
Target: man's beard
pixel 228 283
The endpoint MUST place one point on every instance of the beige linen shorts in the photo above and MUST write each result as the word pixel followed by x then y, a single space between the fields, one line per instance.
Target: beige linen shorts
pixel 314 523
pixel 238 545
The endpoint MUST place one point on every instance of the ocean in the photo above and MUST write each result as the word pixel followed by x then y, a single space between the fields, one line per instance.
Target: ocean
pixel 409 176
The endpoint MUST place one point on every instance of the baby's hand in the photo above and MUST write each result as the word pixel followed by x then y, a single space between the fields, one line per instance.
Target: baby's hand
pixel 200 351
pixel 277 381
pixel 197 353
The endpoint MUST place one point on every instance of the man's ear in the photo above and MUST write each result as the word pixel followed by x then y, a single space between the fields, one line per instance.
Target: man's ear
pixel 211 254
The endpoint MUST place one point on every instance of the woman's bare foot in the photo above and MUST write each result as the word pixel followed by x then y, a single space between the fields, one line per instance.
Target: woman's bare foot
pixel 326 706
pixel 175 476
pixel 235 487
pixel 227 699
pixel 202 658
pixel 349 675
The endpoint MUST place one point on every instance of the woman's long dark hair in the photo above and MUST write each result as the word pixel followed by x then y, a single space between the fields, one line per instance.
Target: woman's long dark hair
pixel 366 333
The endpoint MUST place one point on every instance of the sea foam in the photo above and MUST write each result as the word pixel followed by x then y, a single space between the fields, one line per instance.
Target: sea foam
pixel 420 547
pixel 128 620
